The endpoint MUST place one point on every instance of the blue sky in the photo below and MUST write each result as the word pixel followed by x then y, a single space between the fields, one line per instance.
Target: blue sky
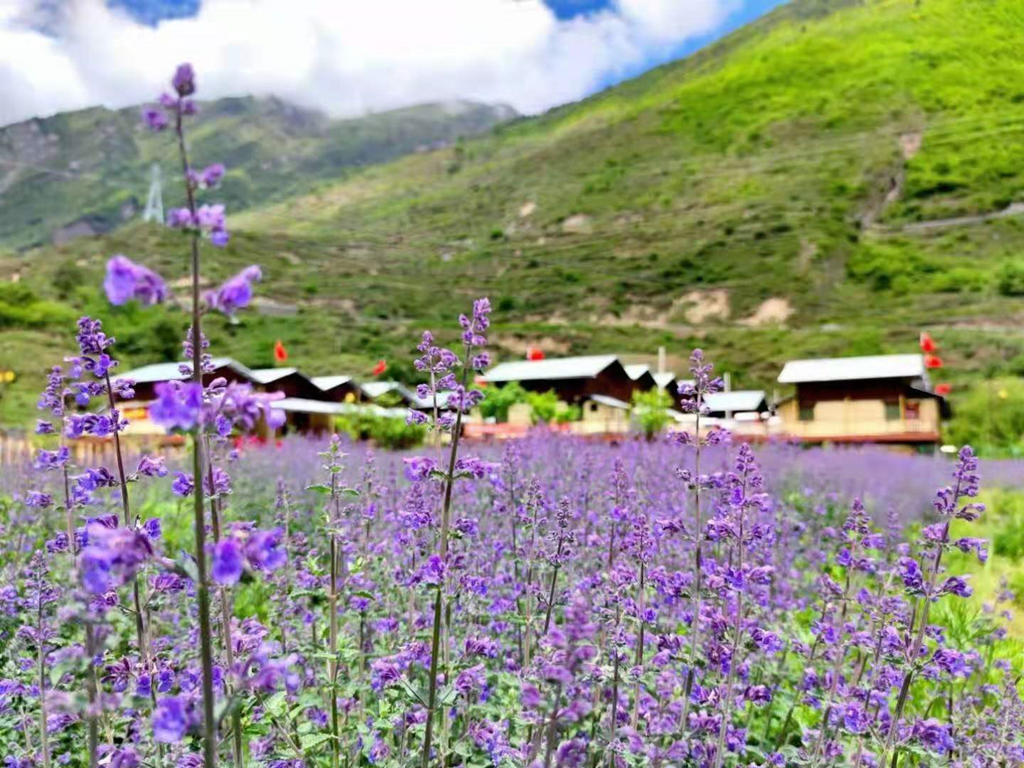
pixel 345 57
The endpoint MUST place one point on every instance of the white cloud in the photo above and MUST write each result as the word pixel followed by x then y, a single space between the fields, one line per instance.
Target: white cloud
pixel 344 56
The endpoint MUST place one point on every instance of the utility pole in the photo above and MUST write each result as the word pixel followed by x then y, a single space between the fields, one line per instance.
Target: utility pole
pixel 155 202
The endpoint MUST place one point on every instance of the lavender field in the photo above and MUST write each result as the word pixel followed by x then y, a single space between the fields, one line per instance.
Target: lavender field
pixel 687 601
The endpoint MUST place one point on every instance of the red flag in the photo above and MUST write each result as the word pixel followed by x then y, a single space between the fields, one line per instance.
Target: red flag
pixel 927 343
pixel 931 361
pixel 533 353
pixel 280 353
pixel 379 368
pixel 943 389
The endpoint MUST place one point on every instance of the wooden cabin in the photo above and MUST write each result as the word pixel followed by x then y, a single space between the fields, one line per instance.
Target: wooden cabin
pixel 877 399
pixel 338 389
pixel 727 405
pixel 601 414
pixel 572 379
pixel 148 376
pixel 288 381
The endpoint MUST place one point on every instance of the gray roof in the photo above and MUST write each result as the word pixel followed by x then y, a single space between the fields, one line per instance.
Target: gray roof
pixel 664 378
pixel 268 375
pixel 427 403
pixel 740 401
pixel 636 371
pixel 611 402
pixel 853 368
pixel 326 383
pixel 302 405
pixel 586 367
pixel 374 389
pixel 149 374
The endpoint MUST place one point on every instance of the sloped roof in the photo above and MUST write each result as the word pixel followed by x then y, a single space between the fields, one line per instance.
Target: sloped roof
pixel 268 375
pixel 427 403
pixel 664 378
pixel 303 405
pixel 586 367
pixel 156 372
pixel 636 371
pixel 374 389
pixel 611 402
pixel 852 368
pixel 326 383
pixel 738 401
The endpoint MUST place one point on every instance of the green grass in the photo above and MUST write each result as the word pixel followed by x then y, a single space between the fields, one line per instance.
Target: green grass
pixel 757 167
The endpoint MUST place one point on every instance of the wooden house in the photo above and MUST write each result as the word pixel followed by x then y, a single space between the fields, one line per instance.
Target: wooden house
pixel 338 389
pixel 727 405
pixel 288 381
pixel 877 399
pixel 572 379
pixel 148 376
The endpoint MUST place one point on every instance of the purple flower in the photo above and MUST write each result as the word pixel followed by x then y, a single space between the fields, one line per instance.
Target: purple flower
pixel 236 292
pixel 934 735
pixel 419 468
pixel 182 484
pixel 170 720
pixel 227 562
pixel 38 500
pixel 212 175
pixel 154 119
pixel 184 80
pixel 127 280
pixel 178 404
pixel 263 550
pixel 51 460
pixel 180 218
pixel 151 466
pixel 956 585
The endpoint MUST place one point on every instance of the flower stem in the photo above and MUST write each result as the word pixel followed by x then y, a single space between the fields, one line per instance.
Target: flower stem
pixel 199 521
pixel 445 514
pixel 41 642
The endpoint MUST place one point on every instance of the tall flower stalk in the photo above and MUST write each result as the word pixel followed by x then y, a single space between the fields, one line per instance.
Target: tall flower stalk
pixel 693 401
pixel 460 400
pixel 936 540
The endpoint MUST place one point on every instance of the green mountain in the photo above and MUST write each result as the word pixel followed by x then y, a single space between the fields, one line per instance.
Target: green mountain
pixel 88 172
pixel 829 180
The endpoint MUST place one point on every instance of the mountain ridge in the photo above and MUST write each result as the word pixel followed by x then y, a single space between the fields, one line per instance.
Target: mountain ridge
pixel 95 161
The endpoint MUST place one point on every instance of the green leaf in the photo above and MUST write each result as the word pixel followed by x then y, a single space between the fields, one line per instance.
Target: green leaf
pixel 319 488
pixel 275 704
pixel 314 740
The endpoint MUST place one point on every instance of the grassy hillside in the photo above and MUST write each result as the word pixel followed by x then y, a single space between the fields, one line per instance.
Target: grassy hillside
pixel 91 168
pixel 770 197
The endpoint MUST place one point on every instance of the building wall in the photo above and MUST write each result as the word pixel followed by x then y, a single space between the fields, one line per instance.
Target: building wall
pixel 520 414
pixel 598 417
pixel 862 418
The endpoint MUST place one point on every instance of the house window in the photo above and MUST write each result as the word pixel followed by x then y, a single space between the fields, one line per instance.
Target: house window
pixel 892 410
pixel 593 407
pixel 912 409
pixel 806 411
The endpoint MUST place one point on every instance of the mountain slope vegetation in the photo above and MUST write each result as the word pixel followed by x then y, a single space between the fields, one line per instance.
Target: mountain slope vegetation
pixel 828 180
pixel 89 171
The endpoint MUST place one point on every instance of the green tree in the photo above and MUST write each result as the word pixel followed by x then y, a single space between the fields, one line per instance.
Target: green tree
pixel 543 406
pixel 650 411
pixel 546 407
pixel 497 400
